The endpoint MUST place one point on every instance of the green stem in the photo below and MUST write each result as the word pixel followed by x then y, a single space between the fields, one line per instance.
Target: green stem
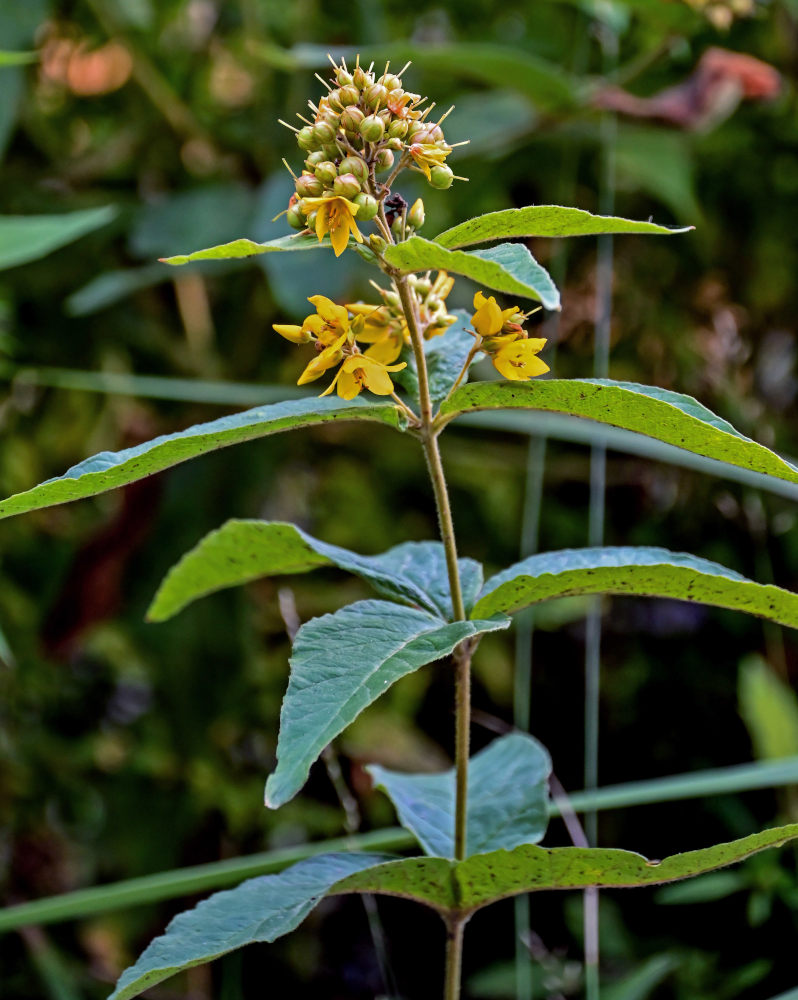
pixel 454 958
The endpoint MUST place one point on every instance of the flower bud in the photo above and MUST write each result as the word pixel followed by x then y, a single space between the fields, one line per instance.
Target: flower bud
pixel 306 139
pixel 384 160
pixel 295 218
pixel 377 243
pixel 326 171
pixel 344 79
pixel 323 133
pixel 435 133
pixel 331 151
pixel 309 186
pixel 391 82
pixel 314 158
pixel 372 128
pixel 414 129
pixel 375 96
pixel 346 185
pixel 351 119
pixel 348 95
pixel 398 128
pixel 386 116
pixel 416 216
pixel 360 78
pixel 397 228
pixel 422 285
pixel 334 100
pixel 368 207
pixel 396 144
pixel 354 165
pixel 330 118
pixel 441 176
pixel 392 299
pixel 310 222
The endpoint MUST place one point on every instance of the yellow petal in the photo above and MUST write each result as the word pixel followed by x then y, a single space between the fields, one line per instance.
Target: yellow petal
pixel 332 384
pixel 296 334
pixel 348 385
pixel 386 350
pixel 376 377
pixel 339 236
pixel 487 320
pixel 313 324
pixel 322 221
pixel 518 361
pixel 479 300
pixel 330 312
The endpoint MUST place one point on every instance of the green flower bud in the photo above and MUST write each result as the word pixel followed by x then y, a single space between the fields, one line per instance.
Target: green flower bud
pixel 398 128
pixel 334 100
pixel 348 95
pixel 375 96
pixel 422 285
pixel 397 228
pixel 360 78
pixel 331 118
pixel 308 186
pixel 396 144
pixel 344 79
pixel 326 171
pixel 310 222
pixel 323 133
pixel 306 139
pixel 416 216
pixel 331 151
pixel 369 207
pixel 346 185
pixel 295 218
pixel 386 116
pixel 384 160
pixel 377 243
pixel 414 129
pixel 354 165
pixel 392 299
pixel 391 82
pixel 314 159
pixel 372 128
pixel 351 119
pixel 441 176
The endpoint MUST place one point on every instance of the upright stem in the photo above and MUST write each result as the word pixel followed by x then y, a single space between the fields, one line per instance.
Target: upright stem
pixel 462 655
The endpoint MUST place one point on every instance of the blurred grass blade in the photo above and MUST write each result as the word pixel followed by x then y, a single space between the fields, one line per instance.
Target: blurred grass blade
pixel 24 238
pixel 17 58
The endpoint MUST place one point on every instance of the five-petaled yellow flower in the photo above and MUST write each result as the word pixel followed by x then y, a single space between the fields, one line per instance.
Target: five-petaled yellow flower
pixel 512 351
pixel 334 215
pixel 429 154
pixel 360 371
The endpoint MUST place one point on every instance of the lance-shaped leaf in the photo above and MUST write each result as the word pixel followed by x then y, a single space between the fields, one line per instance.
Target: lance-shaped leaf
pixel 240 551
pixel 109 470
pixel 509 267
pixel 643 571
pixel 658 413
pixel 508 798
pixel 248 248
pixel 28 237
pixel 466 886
pixel 260 909
pixel 446 355
pixel 543 220
pixel 343 662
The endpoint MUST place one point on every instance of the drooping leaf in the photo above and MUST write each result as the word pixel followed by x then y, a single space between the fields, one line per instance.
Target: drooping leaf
pixel 446 355
pixel 109 470
pixel 466 886
pixel 508 796
pixel 24 238
pixel 241 551
pixel 509 267
pixel 260 909
pixel 343 662
pixel 543 220
pixel 667 416
pixel 248 248
pixel 648 572
pixel 769 709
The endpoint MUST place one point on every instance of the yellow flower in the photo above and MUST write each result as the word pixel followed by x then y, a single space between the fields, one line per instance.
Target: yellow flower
pixel 324 360
pixel 488 320
pixel 517 361
pixel 386 333
pixel 325 325
pixel 334 215
pixel 358 372
pixel 429 154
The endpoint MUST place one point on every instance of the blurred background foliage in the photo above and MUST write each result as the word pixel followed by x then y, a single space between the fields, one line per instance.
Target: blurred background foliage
pixel 127 749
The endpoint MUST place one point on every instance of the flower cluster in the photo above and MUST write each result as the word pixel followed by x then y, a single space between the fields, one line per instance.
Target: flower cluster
pixel 501 336
pixel 358 127
pixel 337 336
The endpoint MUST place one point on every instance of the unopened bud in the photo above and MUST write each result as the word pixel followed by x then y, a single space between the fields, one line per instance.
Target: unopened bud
pixel 334 100
pixel 295 218
pixel 423 285
pixel 375 96
pixel 326 171
pixel 368 207
pixel 344 79
pixel 384 160
pixel 377 243
pixel 416 216
pixel 331 151
pixel 354 165
pixel 441 176
pixel 397 129
pixel 314 158
pixel 310 222
pixel 372 128
pixel 306 139
pixel 360 78
pixel 386 116
pixel 397 228
pixel 308 186
pixel 415 129
pixel 346 185
pixel 323 133
pixel 396 144
pixel 348 95
pixel 352 118
pixel 391 82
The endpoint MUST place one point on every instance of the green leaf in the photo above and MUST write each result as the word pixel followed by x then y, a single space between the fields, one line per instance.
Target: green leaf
pixel 343 662
pixel 508 798
pixel 109 470
pixel 643 981
pixel 240 551
pixel 17 58
pixel 648 572
pixel 466 886
pixel 543 220
pixel 446 355
pixel 769 708
pixel 260 909
pixel 509 267
pixel 667 416
pixel 24 238
pixel 248 248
